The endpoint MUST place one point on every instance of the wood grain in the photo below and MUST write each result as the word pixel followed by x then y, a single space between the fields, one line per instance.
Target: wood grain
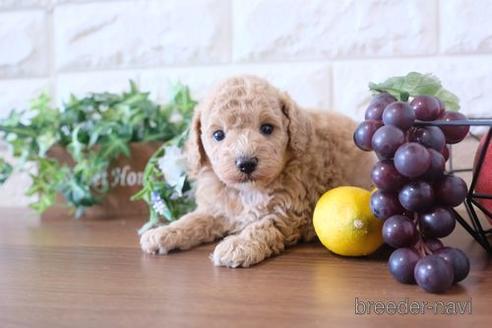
pixel 61 272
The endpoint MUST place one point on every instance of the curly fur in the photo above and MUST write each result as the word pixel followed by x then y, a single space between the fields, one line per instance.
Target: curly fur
pixel 261 214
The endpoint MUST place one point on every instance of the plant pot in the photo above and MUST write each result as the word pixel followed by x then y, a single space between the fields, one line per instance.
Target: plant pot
pixel 125 177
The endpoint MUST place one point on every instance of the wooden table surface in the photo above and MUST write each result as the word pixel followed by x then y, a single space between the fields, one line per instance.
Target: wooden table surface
pixel 62 272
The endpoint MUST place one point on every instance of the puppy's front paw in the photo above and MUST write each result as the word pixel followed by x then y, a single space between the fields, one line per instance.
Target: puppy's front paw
pixel 236 252
pixel 157 241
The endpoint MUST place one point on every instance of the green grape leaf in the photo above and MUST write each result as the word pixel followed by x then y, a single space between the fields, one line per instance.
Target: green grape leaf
pixel 416 84
pixel 450 100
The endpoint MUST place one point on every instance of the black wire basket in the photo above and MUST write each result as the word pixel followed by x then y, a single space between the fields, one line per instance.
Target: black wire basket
pixel 472 223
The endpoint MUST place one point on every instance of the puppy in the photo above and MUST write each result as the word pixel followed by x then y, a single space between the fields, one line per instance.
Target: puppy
pixel 260 163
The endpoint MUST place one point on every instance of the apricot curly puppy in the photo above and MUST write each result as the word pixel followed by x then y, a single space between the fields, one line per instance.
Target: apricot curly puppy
pixel 260 163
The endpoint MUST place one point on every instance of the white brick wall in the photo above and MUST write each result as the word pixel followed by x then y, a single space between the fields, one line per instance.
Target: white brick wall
pixel 319 29
pixel 324 52
pixel 23 44
pixel 106 35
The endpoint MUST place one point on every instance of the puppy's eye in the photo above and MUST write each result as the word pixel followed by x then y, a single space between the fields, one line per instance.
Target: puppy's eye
pixel 219 135
pixel 266 129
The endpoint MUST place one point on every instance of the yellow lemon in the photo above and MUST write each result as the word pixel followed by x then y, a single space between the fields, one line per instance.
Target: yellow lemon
pixel 345 224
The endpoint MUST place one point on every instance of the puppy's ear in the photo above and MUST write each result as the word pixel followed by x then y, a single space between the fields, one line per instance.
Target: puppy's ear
pixel 299 126
pixel 195 153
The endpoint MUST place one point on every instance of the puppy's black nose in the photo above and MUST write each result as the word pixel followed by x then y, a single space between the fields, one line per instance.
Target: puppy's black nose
pixel 246 164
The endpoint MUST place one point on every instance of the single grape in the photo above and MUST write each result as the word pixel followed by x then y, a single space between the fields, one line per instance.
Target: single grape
pixel 399 114
pixel 430 137
pixel 364 133
pixel 433 244
pixel 454 134
pixel 412 160
pixel 450 190
pixel 385 176
pixel 437 223
pixel 437 167
pixel 458 259
pixel 377 105
pixel 399 231
pixel 385 204
pixel 434 274
pixel 426 108
pixel 416 196
pixel 402 264
pixel 386 141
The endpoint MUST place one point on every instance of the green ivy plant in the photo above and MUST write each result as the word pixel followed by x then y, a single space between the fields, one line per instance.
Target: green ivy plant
pixel 166 186
pixel 95 130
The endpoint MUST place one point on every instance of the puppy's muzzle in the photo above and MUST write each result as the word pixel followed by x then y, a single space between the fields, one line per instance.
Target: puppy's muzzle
pixel 247 164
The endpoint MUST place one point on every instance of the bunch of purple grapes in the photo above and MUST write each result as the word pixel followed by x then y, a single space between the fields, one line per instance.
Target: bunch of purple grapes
pixel 414 195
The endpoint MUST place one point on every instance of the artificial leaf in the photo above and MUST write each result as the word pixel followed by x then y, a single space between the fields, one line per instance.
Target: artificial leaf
pixel 416 84
pixel 5 170
pixel 450 100
pixel 95 129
